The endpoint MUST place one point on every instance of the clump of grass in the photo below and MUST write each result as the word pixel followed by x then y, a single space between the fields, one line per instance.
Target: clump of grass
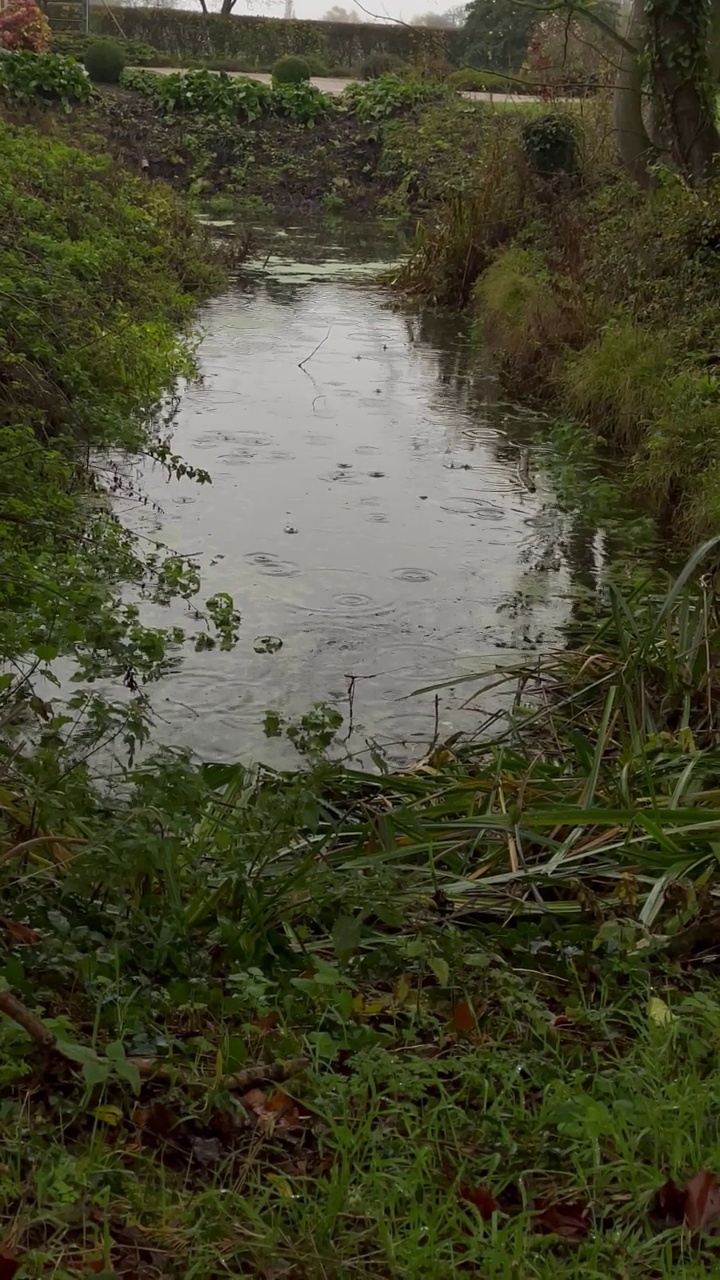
pixel 453 250
pixel 622 381
pixel 529 315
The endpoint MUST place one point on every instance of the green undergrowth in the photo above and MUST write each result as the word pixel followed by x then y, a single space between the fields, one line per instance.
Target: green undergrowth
pixel 100 276
pixel 599 303
pixel 391 145
pixel 325 1023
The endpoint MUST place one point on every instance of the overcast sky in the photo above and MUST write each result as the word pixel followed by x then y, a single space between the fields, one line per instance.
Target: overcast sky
pixel 405 9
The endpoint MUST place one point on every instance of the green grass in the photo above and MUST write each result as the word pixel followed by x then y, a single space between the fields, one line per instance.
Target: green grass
pixel 494 965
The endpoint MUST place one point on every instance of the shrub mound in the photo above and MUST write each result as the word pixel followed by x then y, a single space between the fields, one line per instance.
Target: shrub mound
pixel 104 62
pixel 291 70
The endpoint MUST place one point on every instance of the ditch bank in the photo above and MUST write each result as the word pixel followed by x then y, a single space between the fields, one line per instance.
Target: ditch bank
pixel 599 302
pixel 402 152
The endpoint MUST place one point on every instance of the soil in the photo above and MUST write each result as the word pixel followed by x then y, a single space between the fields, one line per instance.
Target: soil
pixel 287 167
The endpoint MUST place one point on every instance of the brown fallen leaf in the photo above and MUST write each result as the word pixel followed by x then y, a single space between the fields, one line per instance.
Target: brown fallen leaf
pixel 20 933
pixel 567 1218
pixel 668 1206
pixel 9 1263
pixel 702 1204
pixel 463 1018
pixel 484 1202
pixel 276 1110
pixel 696 1205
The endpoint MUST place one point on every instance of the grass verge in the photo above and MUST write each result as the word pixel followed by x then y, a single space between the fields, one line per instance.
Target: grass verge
pixel 481 993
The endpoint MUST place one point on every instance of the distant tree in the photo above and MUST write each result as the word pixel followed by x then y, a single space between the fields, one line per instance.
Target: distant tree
pixel 497 33
pixel 447 21
pixel 338 14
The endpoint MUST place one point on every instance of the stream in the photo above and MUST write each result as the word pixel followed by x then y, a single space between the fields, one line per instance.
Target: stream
pixel 369 508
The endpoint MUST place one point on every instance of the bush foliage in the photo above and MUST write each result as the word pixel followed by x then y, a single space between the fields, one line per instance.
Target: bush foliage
pixel 24 27
pixel 291 69
pixel 43 78
pixel 104 61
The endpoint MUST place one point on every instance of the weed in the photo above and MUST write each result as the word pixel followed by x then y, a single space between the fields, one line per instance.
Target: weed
pixel 43 78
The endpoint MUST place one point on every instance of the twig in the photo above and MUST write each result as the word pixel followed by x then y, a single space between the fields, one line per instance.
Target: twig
pixel 150 1068
pixel 18 1012
pixel 275 1072
pixel 302 363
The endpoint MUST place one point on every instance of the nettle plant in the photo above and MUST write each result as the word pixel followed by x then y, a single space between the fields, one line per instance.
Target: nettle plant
pixel 24 27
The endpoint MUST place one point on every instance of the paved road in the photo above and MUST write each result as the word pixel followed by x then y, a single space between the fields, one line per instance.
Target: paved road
pixel 330 84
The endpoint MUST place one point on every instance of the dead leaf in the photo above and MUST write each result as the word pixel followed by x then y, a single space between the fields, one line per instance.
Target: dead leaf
pixel 668 1207
pixel 569 1219
pixel 702 1204
pixel 484 1202
pixel 20 933
pixel 9 1263
pixel 206 1151
pixel 157 1120
pixel 266 1022
pixel 276 1110
pixel 463 1018
pixel 696 1205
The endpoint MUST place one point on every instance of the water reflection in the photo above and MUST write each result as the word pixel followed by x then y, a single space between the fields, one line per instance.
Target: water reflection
pixel 366 508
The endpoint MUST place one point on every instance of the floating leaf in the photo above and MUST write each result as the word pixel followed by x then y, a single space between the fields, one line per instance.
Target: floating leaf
pixel 267 644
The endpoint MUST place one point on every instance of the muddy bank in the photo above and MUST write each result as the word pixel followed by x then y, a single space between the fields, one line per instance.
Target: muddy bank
pixel 400 165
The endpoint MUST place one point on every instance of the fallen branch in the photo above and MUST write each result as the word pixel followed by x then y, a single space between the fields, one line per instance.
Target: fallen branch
pixel 17 1011
pixel 262 1072
pixel 151 1068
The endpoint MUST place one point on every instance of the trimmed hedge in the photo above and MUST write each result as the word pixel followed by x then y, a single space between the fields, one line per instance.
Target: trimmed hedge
pixel 259 42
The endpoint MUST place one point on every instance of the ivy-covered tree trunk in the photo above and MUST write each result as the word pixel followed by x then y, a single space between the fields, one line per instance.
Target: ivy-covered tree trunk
pixel 678 38
pixel 631 137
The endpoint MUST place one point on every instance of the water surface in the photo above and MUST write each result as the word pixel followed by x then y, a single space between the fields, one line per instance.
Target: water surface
pixel 367 509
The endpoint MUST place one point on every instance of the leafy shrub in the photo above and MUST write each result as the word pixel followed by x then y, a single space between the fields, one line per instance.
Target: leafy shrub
pixel 43 77
pixel 291 70
pixel 389 95
pixel 104 62
pixel 468 80
pixel 24 27
pixel 550 143
pixel 316 65
pixel 381 64
pixel 212 94
pixel 302 103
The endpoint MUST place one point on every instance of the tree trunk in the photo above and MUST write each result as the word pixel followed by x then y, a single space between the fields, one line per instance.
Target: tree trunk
pixel 679 36
pixel 631 137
